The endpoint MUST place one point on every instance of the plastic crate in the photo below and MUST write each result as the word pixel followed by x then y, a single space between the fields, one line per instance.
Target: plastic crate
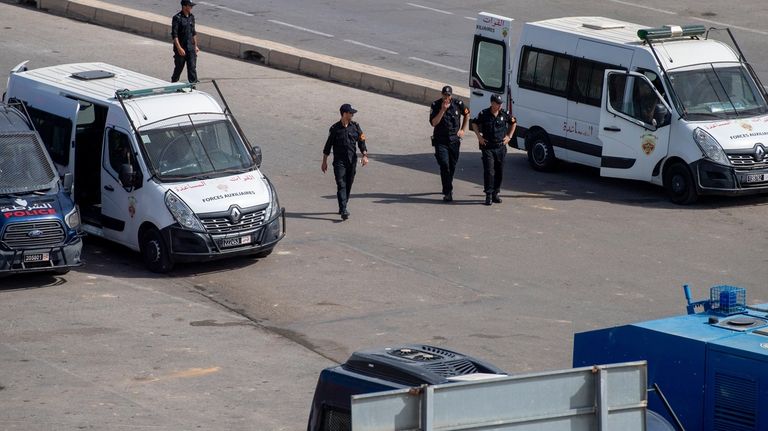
pixel 728 299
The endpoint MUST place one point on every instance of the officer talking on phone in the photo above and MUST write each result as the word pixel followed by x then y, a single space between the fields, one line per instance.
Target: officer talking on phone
pixel 444 116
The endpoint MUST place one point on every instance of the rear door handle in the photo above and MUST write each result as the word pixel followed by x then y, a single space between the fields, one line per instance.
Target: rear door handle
pixel 477 93
pixel 612 129
pixel 109 188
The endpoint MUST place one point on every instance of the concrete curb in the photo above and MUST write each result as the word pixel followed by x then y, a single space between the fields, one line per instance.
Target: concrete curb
pixel 272 54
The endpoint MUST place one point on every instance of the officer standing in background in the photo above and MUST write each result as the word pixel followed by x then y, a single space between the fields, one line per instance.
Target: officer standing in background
pixel 494 128
pixel 185 46
pixel 343 137
pixel 446 138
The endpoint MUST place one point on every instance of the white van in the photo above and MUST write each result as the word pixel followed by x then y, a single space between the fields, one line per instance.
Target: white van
pixel 667 105
pixel 158 167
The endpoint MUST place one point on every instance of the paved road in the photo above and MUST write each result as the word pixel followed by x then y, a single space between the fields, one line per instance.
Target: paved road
pixel 565 252
pixel 432 38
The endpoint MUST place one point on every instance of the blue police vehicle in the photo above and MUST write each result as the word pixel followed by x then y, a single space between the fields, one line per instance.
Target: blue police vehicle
pixel 39 223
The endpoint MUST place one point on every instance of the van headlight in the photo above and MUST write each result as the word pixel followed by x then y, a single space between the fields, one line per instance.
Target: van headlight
pixel 182 213
pixel 72 219
pixel 710 146
pixel 274 204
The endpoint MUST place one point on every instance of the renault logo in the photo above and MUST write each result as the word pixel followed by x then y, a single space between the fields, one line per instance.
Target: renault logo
pixel 37 233
pixel 759 153
pixel 235 214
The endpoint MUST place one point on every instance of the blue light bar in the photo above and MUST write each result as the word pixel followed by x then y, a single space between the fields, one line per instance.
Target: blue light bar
pixel 173 88
pixel 668 32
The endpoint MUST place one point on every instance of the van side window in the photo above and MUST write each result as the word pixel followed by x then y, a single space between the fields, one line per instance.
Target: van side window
pixel 655 80
pixel 588 82
pixel 56 133
pixel 119 148
pixel 544 71
pixel 632 96
pixel 488 63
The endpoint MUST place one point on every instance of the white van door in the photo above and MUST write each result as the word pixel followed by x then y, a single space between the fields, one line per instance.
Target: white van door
pixel 118 203
pixel 634 126
pixel 491 61
pixel 56 120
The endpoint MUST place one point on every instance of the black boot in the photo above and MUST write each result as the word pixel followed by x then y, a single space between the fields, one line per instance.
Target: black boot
pixel 344 214
pixel 495 198
pixel 488 199
pixel 448 197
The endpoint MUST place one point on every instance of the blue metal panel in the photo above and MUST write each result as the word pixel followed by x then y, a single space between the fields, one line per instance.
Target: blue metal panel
pixel 736 388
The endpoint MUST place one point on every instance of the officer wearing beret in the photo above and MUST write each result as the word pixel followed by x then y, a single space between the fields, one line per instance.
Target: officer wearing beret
pixel 343 137
pixel 444 116
pixel 494 128
pixel 185 46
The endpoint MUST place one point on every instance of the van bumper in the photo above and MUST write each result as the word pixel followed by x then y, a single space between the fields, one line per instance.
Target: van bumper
pixel 715 179
pixel 188 246
pixel 34 259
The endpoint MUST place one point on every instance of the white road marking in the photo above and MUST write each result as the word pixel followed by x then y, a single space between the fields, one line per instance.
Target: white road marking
pixel 764 33
pixel 645 7
pixel 300 28
pixel 225 8
pixel 471 18
pixel 370 46
pixel 439 65
pixel 430 8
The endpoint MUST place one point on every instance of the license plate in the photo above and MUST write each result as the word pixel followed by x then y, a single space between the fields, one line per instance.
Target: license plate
pixel 756 178
pixel 234 242
pixel 37 257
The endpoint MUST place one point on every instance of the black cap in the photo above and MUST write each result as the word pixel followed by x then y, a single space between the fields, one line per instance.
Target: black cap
pixel 187 3
pixel 496 99
pixel 347 108
pixel 447 90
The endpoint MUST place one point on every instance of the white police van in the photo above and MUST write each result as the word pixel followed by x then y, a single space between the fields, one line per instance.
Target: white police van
pixel 668 105
pixel 158 167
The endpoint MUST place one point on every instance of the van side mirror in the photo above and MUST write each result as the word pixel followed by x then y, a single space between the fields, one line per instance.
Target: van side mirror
pixel 256 150
pixel 661 115
pixel 127 176
pixel 69 181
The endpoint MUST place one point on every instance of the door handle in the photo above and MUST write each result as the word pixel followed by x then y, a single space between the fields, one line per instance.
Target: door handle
pixel 612 129
pixel 109 188
pixel 477 93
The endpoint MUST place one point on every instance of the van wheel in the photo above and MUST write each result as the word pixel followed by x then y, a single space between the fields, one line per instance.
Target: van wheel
pixel 155 252
pixel 541 156
pixel 679 184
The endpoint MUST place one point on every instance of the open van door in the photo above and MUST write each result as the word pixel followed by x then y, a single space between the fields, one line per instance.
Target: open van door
pixel 57 125
pixel 491 61
pixel 634 126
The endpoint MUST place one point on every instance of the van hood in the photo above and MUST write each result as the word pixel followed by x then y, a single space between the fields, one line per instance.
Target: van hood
pixel 741 134
pixel 27 207
pixel 219 194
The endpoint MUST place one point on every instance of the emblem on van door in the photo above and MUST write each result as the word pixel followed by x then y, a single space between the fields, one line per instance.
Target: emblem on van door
pixel 759 153
pixel 235 215
pixel 37 233
pixel 21 202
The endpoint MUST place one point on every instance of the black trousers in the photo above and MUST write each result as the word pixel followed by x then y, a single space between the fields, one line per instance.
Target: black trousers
pixel 344 172
pixel 447 154
pixel 493 167
pixel 190 60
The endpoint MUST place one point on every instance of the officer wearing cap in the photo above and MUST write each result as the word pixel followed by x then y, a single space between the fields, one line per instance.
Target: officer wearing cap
pixel 343 137
pixel 494 128
pixel 444 116
pixel 185 46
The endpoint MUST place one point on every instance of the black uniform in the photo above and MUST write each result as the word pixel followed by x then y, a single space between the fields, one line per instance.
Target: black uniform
pixel 493 130
pixel 183 28
pixel 445 139
pixel 343 141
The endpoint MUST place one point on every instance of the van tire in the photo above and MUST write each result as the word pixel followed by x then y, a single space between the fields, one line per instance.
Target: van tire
pixel 541 156
pixel 679 184
pixel 154 252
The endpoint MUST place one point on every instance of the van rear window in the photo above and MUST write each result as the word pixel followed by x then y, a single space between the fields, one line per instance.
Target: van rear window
pixel 56 133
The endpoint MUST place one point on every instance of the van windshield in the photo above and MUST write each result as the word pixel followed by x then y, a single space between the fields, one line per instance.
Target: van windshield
pixel 717 91
pixel 188 149
pixel 24 166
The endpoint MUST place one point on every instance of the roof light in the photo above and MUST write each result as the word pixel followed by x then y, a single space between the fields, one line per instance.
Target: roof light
pixel 173 88
pixel 669 31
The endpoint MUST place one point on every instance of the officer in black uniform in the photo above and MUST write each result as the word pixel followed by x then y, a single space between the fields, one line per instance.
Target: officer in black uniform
pixel 343 137
pixel 185 46
pixel 494 128
pixel 446 138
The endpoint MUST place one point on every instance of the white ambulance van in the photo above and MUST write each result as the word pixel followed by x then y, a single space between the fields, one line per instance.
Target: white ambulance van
pixel 668 105
pixel 158 167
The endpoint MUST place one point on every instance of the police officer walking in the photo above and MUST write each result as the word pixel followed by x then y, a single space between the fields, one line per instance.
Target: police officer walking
pixel 343 137
pixel 444 117
pixel 185 46
pixel 494 128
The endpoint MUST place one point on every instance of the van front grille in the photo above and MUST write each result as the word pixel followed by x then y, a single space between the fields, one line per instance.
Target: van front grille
pixel 224 225
pixel 747 160
pixel 34 235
